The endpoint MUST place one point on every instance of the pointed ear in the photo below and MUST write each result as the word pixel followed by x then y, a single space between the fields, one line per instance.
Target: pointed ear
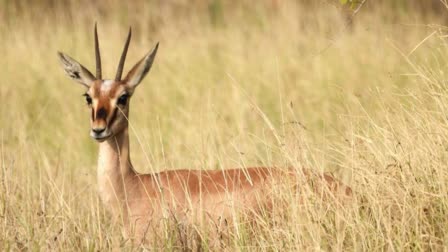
pixel 75 70
pixel 139 71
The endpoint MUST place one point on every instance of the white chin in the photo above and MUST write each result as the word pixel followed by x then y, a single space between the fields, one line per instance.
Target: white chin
pixel 99 137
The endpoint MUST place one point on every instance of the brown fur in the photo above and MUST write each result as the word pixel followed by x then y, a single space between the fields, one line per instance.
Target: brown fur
pixel 144 200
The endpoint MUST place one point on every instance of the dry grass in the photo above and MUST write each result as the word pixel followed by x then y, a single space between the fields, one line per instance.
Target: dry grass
pixel 232 86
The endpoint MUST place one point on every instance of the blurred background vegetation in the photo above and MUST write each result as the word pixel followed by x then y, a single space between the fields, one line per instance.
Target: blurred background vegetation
pixel 319 84
pixel 315 55
pixel 211 11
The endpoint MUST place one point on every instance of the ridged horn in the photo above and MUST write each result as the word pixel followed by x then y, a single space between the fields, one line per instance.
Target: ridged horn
pixel 97 56
pixel 123 57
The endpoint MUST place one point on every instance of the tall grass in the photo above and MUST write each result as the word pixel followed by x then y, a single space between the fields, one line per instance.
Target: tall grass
pixel 266 83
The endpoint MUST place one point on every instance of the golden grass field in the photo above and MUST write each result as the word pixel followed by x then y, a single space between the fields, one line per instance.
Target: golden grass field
pixel 272 83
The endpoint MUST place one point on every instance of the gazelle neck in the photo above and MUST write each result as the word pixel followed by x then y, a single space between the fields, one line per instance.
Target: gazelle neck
pixel 114 167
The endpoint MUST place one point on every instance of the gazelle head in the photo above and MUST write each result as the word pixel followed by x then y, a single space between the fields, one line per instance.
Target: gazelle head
pixel 108 99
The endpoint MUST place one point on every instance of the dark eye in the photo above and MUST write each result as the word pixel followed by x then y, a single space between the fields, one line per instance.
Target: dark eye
pixel 123 99
pixel 88 99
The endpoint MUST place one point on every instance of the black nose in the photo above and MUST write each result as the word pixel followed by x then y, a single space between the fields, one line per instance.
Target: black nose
pixel 98 130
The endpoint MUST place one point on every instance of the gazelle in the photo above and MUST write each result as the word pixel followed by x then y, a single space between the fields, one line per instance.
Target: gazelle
pixel 143 199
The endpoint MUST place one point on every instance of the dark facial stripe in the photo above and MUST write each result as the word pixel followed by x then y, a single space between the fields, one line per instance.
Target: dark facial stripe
pixel 93 111
pixel 101 113
pixel 114 115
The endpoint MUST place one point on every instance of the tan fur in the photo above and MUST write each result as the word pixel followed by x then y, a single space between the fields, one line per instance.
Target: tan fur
pixel 143 200
pixel 146 198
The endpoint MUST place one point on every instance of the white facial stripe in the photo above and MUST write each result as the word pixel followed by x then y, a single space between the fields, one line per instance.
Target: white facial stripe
pixel 106 85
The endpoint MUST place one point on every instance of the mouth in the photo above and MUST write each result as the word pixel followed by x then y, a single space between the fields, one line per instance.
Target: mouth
pixel 100 137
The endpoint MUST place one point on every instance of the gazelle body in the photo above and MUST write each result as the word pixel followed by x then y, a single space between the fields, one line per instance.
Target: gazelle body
pixel 144 199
